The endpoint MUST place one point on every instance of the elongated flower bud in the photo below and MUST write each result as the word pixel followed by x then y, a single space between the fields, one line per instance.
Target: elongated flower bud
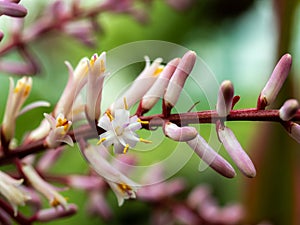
pixel 275 82
pixel 158 89
pixel 293 130
pixel 212 158
pixel 12 9
pixel 225 97
pixel 140 85
pixel 236 152
pixel 178 79
pixel 289 109
pixel 176 133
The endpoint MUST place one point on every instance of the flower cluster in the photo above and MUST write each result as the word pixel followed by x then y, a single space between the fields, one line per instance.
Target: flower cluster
pixel 98 131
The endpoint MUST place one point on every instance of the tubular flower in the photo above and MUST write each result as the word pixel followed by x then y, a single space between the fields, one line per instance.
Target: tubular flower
pixel 120 130
pixel 9 188
pixel 43 187
pixel 97 68
pixel 58 132
pixel 16 97
pixel 122 186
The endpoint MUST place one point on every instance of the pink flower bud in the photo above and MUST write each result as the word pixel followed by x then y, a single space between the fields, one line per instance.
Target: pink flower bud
pixel 293 130
pixel 212 158
pixel 225 98
pixel 289 109
pixel 157 91
pixel 236 152
pixel 176 133
pixel 46 215
pixel 178 79
pixel 12 9
pixel 275 82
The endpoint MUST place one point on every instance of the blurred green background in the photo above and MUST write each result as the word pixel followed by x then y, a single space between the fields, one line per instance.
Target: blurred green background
pixel 238 40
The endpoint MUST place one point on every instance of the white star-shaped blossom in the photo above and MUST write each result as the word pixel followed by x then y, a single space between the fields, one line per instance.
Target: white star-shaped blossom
pixel 120 130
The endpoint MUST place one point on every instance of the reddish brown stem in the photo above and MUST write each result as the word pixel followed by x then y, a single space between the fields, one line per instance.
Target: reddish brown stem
pixel 209 116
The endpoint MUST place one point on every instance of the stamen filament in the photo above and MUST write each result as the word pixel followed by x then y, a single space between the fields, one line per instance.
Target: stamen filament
pixel 110 116
pixel 145 141
pixel 101 140
pixel 142 122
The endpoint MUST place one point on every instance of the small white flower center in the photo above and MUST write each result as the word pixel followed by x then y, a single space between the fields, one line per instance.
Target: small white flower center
pixel 119 131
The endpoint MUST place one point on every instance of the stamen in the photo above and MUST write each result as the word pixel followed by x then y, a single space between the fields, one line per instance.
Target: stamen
pixel 142 121
pixel 158 71
pixel 110 116
pixel 125 103
pixel 125 150
pixel 145 141
pixel 124 187
pixel 102 66
pixel 101 141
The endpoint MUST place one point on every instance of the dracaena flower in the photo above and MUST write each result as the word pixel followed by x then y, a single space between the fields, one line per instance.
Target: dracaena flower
pixel 225 97
pixel 77 79
pixel 123 187
pixel 275 82
pixel 16 98
pixel 39 184
pixel 96 74
pixel 58 131
pixel 140 85
pixel 120 130
pixel 178 79
pixel 236 151
pixel 289 109
pixel 10 189
pixel 176 133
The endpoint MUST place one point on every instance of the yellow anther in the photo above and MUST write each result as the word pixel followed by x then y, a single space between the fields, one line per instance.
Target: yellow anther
pixel 125 150
pixel 101 141
pixel 110 116
pixel 102 66
pixel 158 71
pixel 142 122
pixel 124 187
pixel 27 90
pixel 125 103
pixel 145 141
pixel 62 123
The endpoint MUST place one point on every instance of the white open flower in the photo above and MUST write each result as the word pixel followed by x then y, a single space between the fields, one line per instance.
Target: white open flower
pixel 120 130
pixel 10 189
pixel 58 131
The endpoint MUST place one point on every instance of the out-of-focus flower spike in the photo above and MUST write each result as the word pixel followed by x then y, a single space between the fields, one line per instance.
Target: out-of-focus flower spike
pixel 225 97
pixel 236 152
pixel 16 97
pixel 157 91
pixel 12 9
pixel 293 130
pixel 212 158
pixel 48 159
pixel 275 82
pixel 289 109
pixel 10 188
pixel 178 79
pixel 97 205
pixel 58 131
pixel 46 215
pixel 43 187
pixel 176 133
pixel 84 182
pixel 123 187
pixel 96 75
pixel 140 85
